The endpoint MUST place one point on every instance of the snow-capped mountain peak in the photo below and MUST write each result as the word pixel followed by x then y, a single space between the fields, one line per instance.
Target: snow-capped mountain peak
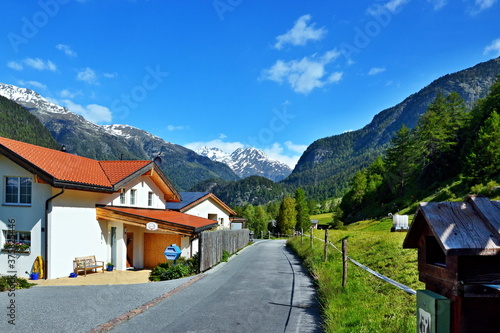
pixel 30 99
pixel 247 162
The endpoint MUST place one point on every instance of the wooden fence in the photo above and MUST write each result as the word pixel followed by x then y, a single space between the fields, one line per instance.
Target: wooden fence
pixel 213 243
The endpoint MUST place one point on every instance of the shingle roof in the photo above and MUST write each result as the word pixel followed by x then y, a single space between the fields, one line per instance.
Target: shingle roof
pixel 187 199
pixel 190 199
pixel 471 227
pixel 55 166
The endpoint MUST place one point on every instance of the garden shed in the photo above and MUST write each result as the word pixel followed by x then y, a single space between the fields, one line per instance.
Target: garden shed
pixel 459 257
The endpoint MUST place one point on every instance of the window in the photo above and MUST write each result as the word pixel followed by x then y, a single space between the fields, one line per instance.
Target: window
pixel 18 190
pixel 132 197
pixel 122 197
pixel 17 240
pixel 150 199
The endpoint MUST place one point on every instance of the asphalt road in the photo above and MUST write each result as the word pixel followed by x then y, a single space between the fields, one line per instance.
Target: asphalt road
pixel 262 289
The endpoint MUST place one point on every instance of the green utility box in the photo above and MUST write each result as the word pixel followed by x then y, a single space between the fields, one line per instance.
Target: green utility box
pixel 433 312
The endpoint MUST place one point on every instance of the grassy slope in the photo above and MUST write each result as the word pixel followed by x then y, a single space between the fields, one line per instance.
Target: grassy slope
pixel 367 304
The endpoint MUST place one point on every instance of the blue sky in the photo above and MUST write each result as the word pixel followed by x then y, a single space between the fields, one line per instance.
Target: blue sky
pixel 275 75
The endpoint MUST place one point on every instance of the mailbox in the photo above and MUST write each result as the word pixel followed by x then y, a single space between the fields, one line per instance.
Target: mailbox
pixel 172 252
pixel 459 258
pixel 433 312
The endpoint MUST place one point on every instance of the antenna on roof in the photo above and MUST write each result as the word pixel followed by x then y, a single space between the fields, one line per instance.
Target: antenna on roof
pixel 157 160
pixel 121 157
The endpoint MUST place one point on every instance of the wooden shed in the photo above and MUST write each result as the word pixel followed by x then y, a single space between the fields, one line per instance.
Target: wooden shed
pixel 459 257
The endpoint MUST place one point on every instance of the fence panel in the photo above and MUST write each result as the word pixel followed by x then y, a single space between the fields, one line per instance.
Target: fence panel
pixel 213 243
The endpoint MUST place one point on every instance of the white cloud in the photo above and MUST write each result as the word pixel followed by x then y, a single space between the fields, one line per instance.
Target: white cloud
pixel 493 47
pixel 294 147
pixel 66 93
pixel 40 64
pixel 222 136
pixel 15 65
pixel 225 146
pixel 176 128
pixel 376 70
pixel 304 75
pixel 275 152
pixel 87 75
pixel 481 5
pixel 92 112
pixel 35 84
pixel 391 5
pixel 35 63
pixel 66 49
pixel 438 4
pixel 109 75
pixel 300 34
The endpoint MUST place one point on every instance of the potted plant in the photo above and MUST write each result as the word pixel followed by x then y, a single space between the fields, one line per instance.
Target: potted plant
pixel 110 266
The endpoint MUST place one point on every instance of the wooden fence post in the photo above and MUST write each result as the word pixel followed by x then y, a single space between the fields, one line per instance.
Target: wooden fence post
pixel 311 237
pixel 344 261
pixel 325 254
pixel 261 234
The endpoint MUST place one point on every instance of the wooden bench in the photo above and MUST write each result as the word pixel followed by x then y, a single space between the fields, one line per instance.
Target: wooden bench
pixel 86 263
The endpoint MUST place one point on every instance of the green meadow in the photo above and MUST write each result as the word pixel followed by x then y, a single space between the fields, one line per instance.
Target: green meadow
pixel 367 303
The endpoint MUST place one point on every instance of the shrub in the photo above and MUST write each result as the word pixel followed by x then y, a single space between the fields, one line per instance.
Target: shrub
pixel 170 271
pixel 6 282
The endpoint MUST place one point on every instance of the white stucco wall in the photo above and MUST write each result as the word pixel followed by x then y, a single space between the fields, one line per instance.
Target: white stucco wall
pixel 73 230
pixel 28 218
pixel 143 185
pixel 207 207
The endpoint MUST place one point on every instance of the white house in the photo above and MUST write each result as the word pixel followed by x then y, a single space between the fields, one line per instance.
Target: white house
pixel 204 204
pixel 64 206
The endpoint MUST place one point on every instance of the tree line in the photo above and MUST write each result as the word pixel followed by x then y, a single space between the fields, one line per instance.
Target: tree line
pixel 447 143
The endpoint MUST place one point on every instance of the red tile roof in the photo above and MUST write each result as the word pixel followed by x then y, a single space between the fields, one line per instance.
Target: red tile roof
pixel 66 167
pixel 165 215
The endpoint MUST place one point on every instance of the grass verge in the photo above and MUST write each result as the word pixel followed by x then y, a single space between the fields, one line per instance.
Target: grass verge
pixel 367 304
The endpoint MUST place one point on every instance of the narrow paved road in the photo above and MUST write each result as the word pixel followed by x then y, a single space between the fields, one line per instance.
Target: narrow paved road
pixel 262 289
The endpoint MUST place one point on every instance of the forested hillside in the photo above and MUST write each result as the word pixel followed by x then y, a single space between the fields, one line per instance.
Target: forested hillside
pixel 254 190
pixel 325 168
pixel 449 153
pixel 19 124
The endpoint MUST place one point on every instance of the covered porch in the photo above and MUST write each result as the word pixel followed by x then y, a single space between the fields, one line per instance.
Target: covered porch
pixel 132 245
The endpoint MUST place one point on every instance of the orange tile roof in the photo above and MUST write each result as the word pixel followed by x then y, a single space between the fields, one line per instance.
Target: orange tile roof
pixel 165 215
pixel 66 167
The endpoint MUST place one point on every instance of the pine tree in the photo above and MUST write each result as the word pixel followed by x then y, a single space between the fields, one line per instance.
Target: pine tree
pixel 484 159
pixel 287 216
pixel 303 219
pixel 401 160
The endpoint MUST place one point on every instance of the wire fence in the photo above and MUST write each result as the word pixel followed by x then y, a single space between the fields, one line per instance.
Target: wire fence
pixel 371 271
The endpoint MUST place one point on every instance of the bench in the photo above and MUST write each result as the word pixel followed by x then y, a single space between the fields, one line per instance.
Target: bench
pixel 86 263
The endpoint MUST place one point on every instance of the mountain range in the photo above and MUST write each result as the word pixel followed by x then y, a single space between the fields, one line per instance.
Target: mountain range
pixel 246 162
pixel 324 170
pixel 183 166
pixel 328 164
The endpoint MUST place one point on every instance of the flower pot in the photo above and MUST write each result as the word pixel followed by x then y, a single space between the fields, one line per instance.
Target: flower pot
pixel 34 276
pixel 109 268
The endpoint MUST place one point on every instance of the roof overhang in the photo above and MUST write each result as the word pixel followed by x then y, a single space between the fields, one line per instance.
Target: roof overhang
pixel 166 220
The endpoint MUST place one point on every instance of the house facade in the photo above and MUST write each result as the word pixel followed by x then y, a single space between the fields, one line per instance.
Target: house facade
pixel 62 206
pixel 206 205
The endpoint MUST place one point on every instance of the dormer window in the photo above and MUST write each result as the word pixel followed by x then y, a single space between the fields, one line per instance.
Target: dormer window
pixel 132 197
pixel 122 197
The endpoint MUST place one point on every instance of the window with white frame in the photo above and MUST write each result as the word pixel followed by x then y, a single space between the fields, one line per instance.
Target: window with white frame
pixel 18 190
pixel 17 240
pixel 150 199
pixel 122 197
pixel 132 196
